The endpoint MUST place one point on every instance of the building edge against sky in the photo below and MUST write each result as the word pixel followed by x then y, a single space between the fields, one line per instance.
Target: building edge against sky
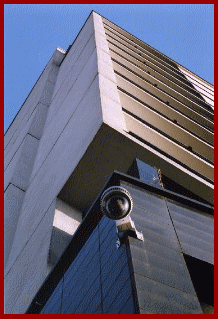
pixel 109 99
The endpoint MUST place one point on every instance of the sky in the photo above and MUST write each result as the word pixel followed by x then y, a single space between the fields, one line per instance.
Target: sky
pixel 183 32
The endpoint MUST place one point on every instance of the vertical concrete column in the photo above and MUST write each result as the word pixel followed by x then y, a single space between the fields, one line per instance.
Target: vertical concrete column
pixel 111 106
pixel 13 199
pixel 17 176
pixel 22 282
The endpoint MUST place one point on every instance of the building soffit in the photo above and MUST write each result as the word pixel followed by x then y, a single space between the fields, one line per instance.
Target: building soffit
pixel 111 150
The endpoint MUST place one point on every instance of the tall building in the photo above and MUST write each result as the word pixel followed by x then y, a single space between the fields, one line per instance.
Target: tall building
pixel 110 111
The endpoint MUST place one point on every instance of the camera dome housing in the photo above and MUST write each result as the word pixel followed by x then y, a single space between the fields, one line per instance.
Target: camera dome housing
pixel 116 203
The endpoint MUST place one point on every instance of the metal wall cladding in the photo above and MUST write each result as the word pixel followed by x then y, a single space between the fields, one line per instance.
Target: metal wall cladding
pixel 53 306
pixel 195 231
pixel 147 276
pixel 98 280
pixel 162 279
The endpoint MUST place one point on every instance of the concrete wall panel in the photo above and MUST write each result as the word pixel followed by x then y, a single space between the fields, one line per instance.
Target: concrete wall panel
pixel 74 69
pixel 53 72
pixel 101 42
pixel 13 199
pixel 24 165
pixel 17 140
pixel 66 221
pixel 20 167
pixel 58 166
pixel 49 74
pixel 36 119
pixel 112 113
pixel 66 218
pixel 31 264
pixel 10 168
pixel 27 108
pixel 38 122
pixel 105 66
pixel 59 121
pixel 47 93
pixel 74 52
pixel 108 88
pixel 98 23
pixel 111 107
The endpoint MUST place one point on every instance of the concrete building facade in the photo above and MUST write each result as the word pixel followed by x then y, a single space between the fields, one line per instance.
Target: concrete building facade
pixel 110 103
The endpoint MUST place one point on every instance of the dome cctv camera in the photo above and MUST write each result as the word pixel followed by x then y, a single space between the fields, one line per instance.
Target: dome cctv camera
pixel 116 203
